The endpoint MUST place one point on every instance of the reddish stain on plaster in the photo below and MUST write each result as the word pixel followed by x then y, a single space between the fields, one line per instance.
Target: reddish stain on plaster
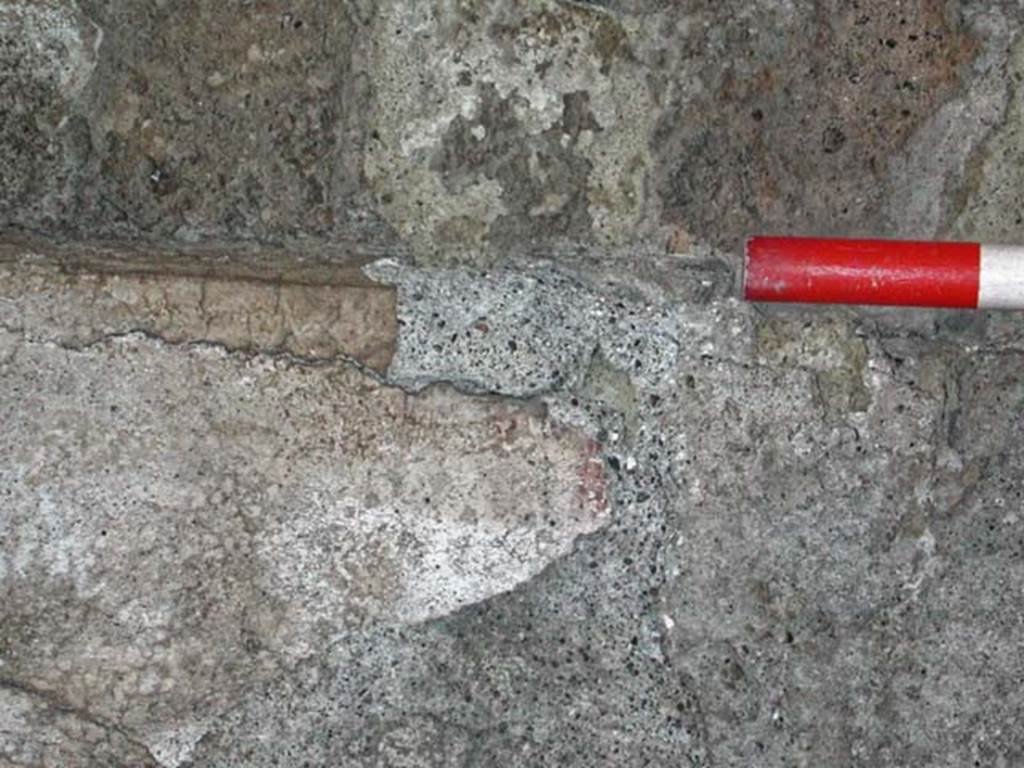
pixel 593 485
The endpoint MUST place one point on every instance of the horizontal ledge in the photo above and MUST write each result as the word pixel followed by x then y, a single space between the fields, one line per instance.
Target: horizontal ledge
pixel 262 300
pixel 335 265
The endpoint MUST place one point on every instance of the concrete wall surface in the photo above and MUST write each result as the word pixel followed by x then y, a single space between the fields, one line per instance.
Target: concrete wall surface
pixel 374 389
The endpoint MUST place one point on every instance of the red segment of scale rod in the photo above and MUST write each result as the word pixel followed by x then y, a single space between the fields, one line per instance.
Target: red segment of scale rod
pixel 844 271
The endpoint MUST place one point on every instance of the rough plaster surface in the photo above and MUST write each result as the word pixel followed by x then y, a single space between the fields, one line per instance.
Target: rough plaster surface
pixel 374 392
pixel 210 517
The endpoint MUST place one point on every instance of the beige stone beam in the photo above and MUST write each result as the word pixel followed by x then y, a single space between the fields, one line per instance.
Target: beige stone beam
pixel 317 306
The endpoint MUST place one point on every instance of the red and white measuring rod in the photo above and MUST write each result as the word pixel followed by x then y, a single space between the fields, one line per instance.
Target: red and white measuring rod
pixel 895 272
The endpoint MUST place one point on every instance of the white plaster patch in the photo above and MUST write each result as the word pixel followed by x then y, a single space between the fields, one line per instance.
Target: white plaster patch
pixel 422 525
pixel 211 510
pixel 174 746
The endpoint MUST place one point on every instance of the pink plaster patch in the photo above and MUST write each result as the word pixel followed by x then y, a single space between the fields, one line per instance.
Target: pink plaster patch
pixel 593 486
